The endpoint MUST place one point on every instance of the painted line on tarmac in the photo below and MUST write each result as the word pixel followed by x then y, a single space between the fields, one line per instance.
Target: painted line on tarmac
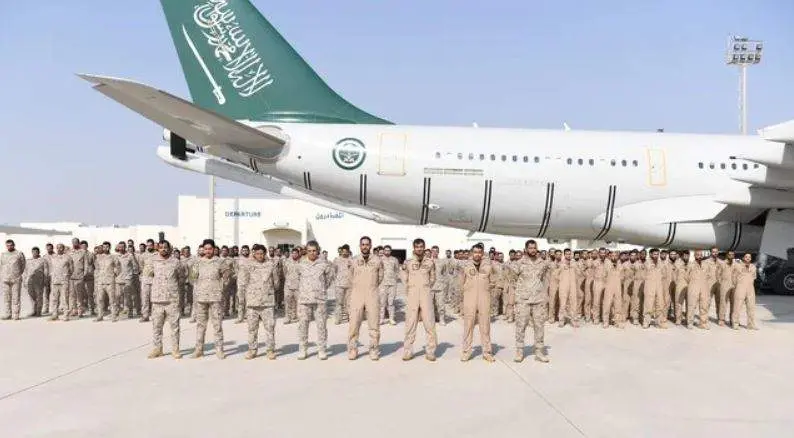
pixel 70 372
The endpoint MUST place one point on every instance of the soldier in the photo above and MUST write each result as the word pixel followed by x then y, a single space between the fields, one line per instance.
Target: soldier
pixel 191 277
pixel 628 280
pixel 589 274
pixel 453 281
pixel 167 275
pixel 37 273
pixel 418 274
pixel 698 290
pixel 567 290
pixel 476 276
pixel 613 299
pixel 667 281
pixel 744 278
pixel 653 304
pixel 366 277
pixel 439 287
pixel 681 278
pixel 315 277
pixel 125 279
pixel 45 305
pixel 12 266
pixel 241 264
pixel 80 261
pixel 106 269
pixel 342 268
pixel 510 287
pixel 555 257
pixel 531 299
pixel 712 261
pixel 229 283
pixel 134 289
pixel 145 260
pixel 290 272
pixel 257 281
pixel 388 287
pixel 211 274
pixel 88 297
pixel 638 269
pixel 599 282
pixel 725 270
pixel 61 267
pixel 186 295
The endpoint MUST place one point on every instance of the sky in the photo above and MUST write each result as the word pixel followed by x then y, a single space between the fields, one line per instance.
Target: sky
pixel 70 154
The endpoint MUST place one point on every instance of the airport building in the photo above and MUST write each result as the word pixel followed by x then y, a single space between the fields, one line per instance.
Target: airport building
pixel 273 222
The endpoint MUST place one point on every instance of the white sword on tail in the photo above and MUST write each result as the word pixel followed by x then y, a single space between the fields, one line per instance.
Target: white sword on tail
pixel 216 89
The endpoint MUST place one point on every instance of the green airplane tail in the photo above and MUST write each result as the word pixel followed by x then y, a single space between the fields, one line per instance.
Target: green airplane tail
pixel 238 65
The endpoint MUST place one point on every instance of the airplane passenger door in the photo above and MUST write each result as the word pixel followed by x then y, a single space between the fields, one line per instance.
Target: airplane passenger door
pixel 391 154
pixel 657 167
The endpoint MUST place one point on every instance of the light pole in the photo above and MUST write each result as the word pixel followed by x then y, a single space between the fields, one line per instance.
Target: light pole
pixel 743 52
pixel 212 208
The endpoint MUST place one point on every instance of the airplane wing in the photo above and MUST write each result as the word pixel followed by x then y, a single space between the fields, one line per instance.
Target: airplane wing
pixel 195 124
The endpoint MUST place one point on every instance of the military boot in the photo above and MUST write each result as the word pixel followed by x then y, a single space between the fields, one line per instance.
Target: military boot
pixel 352 354
pixel 322 354
pixel 199 351
pixel 302 353
pixel 250 354
pixel 519 357
pixel 465 357
pixel 430 357
pixel 488 357
pixel 540 354
pixel 374 353
pixel 392 321
pixel 408 355
pixel 271 355
pixel 220 354
pixel 156 352
pixel 176 354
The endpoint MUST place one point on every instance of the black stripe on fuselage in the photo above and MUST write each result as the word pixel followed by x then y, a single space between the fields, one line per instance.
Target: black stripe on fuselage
pixel 544 224
pixel 609 213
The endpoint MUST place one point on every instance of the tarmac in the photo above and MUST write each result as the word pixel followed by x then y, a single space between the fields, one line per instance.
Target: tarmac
pixel 87 379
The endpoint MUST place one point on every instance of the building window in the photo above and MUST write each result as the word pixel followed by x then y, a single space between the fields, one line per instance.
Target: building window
pixel 613 163
pixel 504 157
pixel 744 166
pixel 471 156
pixel 755 166
pixel 460 156
pixel 515 158
pixel 733 166
pixel 482 157
pixel 711 165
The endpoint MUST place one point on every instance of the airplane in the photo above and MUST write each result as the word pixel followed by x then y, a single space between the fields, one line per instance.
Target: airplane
pixel 261 116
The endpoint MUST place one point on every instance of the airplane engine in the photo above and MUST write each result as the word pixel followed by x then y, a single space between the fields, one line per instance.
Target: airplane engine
pixel 698 235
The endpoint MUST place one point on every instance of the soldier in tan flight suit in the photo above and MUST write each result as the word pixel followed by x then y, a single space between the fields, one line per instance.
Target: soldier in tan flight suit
pixel 667 282
pixel 258 280
pixel 744 274
pixel 439 287
pixel 342 265
pixel 569 281
pixel 168 275
pixel 61 266
pixel 388 287
pixel 531 300
pixel 418 275
pixel 712 261
pixel 37 272
pixel 627 279
pixel 291 274
pixel 211 274
pixel 453 282
pixel 679 274
pixel 80 261
pixel 365 278
pixel 599 282
pixel 638 269
pixel 555 258
pixel 590 267
pixel 613 293
pixel 653 303
pixel 725 270
pixel 477 275
pixel 12 266
pixel 698 290
pixel 316 276
pixel 106 269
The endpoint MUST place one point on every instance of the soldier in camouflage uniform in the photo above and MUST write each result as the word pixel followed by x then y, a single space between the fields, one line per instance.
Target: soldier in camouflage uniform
pixel 531 299
pixel 37 272
pixel 167 275
pixel 12 266
pixel 440 287
pixel 61 266
pixel 186 295
pixel 88 298
pixel 125 279
pixel 418 274
pixel 388 287
pixel 240 263
pixel 366 276
pixel 315 277
pixel 289 271
pixel 229 284
pixel 106 269
pixel 342 270
pixel 211 274
pixel 257 280
pixel 145 259
pixel 80 261
pixel 45 304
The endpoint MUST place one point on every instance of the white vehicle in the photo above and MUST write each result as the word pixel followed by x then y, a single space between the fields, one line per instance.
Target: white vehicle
pixel 262 117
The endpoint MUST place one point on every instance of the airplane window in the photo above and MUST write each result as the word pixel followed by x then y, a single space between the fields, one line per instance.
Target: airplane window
pixel 482 157
pixel 569 161
pixel 526 159
pixel 504 157
pixel 634 163
pixel 613 163
pixel 623 163
pixel 515 158
pixel 744 166
pixel 438 154
pixel 700 165
pixel 460 156
pixel 722 166
pixel 471 156
pixel 591 161
pixel 755 166
pixel 733 166
pixel 711 165
pixel 580 161
pixel 537 159
pixel 493 157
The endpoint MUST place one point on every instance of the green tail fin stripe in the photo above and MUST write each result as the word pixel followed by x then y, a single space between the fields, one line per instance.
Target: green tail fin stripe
pixel 238 65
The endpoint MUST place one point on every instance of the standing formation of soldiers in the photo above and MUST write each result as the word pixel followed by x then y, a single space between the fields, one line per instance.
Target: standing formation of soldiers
pixel 532 287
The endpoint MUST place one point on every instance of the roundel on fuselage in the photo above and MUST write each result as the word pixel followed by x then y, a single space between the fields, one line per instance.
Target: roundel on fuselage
pixel 349 153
